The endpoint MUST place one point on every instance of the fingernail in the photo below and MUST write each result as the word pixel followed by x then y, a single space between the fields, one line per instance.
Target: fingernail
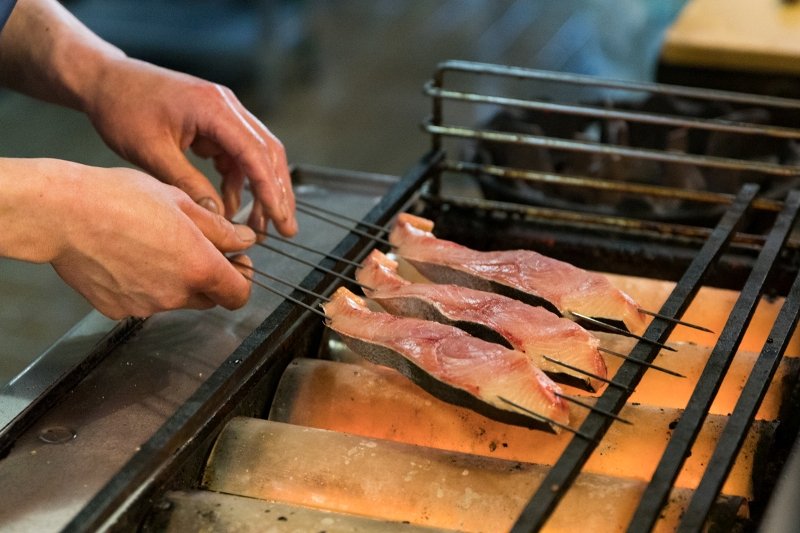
pixel 209 204
pixel 245 233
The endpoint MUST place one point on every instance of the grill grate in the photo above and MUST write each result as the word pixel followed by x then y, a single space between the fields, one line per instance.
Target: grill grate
pixel 577 453
pixel 686 431
pixel 753 209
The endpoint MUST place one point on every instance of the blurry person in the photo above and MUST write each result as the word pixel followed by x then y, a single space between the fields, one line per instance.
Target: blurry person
pixel 130 244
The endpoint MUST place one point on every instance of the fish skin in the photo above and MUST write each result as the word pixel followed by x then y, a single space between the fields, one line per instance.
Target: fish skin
pixel 448 362
pixel 520 274
pixel 531 330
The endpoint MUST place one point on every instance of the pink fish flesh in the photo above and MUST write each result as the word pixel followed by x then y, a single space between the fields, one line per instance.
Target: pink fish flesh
pixel 520 274
pixel 450 364
pixel 531 330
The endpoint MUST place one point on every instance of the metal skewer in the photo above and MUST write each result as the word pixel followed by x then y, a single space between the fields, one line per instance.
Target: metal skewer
pixel 621 331
pixel 593 408
pixel 283 281
pixel 307 209
pixel 309 249
pixel 314 265
pixel 543 418
pixel 345 226
pixel 639 362
pixel 584 372
pixel 335 214
pixel 286 296
pixel 675 320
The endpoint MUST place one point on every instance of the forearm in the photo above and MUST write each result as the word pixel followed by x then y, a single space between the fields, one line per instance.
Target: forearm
pixel 47 53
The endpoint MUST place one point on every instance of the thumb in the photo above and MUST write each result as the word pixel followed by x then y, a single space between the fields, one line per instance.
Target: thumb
pixel 171 166
pixel 224 235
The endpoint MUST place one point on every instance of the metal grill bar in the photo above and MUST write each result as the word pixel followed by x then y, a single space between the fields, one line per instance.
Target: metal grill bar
pixel 582 80
pixel 657 191
pixel 577 452
pixel 730 442
pixel 657 491
pixel 627 224
pixel 720 125
pixel 608 150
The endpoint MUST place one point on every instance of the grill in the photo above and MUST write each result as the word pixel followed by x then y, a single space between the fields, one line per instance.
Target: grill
pixel 690 204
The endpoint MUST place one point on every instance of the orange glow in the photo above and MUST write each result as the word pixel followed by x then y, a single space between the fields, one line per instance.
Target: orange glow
pixel 394 481
pixel 710 308
pixel 381 403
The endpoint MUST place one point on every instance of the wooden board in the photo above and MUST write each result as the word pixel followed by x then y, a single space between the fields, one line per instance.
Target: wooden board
pixel 741 35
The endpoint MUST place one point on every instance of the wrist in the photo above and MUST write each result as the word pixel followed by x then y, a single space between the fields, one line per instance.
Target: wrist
pixel 34 208
pixel 83 66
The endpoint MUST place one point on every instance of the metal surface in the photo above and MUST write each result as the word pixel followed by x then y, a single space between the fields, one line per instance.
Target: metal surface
pixel 645 154
pixel 136 388
pixel 656 191
pixel 57 370
pixel 465 93
pixel 742 417
pixel 123 500
pixel 486 69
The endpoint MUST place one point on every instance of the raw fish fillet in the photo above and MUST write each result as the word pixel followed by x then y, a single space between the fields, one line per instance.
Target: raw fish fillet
pixel 449 363
pixel 520 274
pixel 532 330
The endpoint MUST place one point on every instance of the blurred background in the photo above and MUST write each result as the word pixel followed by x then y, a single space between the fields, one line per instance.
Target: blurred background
pixel 339 81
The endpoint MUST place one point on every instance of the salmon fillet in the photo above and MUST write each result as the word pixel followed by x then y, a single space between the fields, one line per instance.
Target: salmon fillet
pixel 521 274
pixel 492 317
pixel 450 364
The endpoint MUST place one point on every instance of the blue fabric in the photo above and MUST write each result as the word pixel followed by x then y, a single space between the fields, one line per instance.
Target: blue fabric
pixel 5 10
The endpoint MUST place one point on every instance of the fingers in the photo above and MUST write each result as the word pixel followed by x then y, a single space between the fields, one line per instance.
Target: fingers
pixel 256 219
pixel 224 235
pixel 232 184
pixel 261 157
pixel 280 163
pixel 170 165
pixel 233 293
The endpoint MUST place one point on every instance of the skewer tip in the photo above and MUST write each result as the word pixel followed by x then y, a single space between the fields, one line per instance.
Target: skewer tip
pixel 640 362
pixel 545 419
pixel 675 320
pixel 593 408
pixel 621 331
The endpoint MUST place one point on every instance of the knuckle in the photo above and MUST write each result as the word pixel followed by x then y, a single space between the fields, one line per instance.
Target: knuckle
pixel 199 276
pixel 237 299
pixel 175 300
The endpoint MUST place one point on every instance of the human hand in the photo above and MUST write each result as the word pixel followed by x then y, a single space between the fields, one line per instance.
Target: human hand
pixel 129 244
pixel 151 116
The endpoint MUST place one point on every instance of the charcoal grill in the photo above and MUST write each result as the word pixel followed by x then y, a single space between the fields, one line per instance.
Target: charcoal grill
pixel 113 426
